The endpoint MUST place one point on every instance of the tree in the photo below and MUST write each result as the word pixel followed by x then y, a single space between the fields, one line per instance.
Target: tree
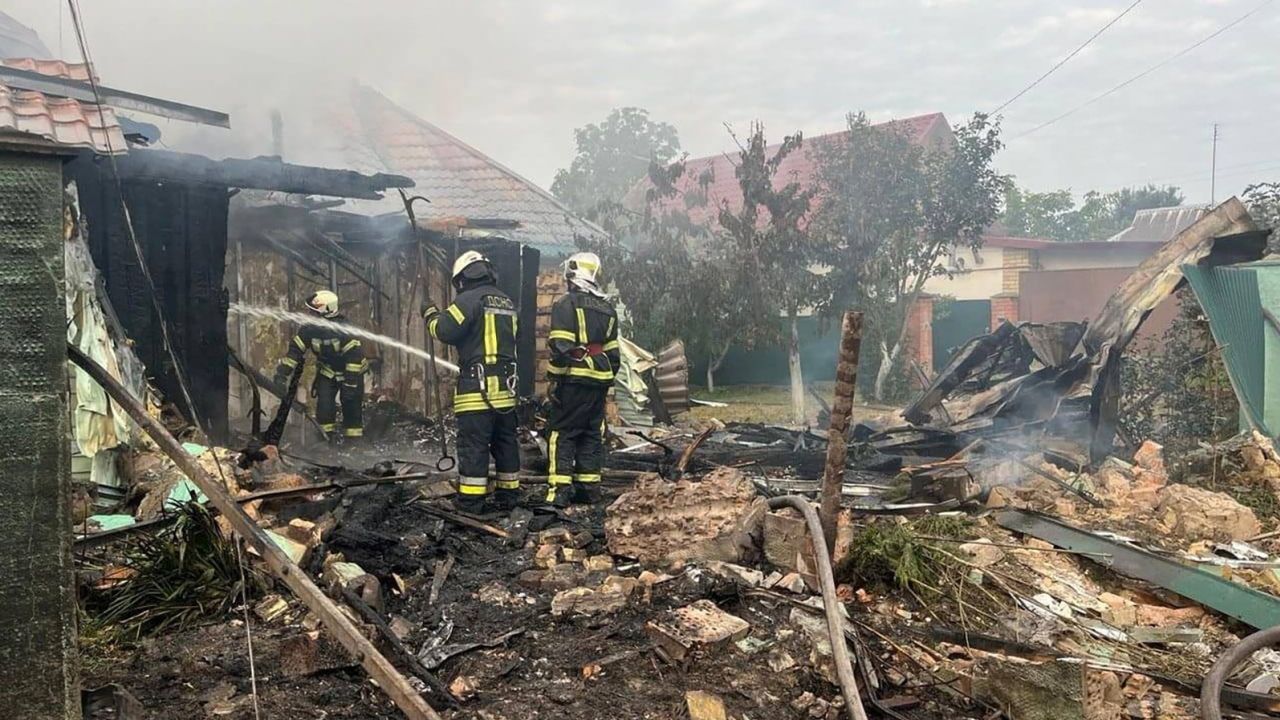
pixel 893 214
pixel 1263 201
pixel 611 157
pixel 676 281
pixel 769 235
pixel 1055 214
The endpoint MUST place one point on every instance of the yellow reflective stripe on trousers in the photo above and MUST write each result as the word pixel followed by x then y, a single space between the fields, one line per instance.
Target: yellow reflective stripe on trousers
pixel 353 432
pixel 553 477
pixel 490 340
pixel 456 312
pixel 475 402
pixel 562 335
pixel 473 485
pixel 508 481
pixel 582 326
pixel 587 477
pixel 329 427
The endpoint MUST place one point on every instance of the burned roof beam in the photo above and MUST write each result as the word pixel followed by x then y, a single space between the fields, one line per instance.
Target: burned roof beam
pixel 256 174
pixel 83 91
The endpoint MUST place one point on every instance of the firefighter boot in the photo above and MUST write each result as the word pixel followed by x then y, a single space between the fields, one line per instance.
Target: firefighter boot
pixel 470 504
pixel 506 500
pixel 585 493
pixel 559 497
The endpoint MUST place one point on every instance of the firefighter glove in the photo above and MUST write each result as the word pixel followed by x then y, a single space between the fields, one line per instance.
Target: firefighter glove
pixel 429 310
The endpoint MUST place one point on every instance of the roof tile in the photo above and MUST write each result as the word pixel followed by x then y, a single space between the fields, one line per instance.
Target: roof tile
pixel 62 121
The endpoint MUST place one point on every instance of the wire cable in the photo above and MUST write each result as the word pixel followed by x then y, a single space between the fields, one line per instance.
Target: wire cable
pixel 1146 72
pixel 78 25
pixel 1064 60
pixel 128 220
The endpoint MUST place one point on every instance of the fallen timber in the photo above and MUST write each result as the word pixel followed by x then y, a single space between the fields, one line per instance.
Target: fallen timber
pixel 395 685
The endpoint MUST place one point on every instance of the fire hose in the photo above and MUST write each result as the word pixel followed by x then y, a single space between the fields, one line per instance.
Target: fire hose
pixel 1211 689
pixel 830 604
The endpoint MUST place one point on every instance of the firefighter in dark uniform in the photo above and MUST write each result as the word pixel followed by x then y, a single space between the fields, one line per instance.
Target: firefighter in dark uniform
pixel 340 368
pixel 584 357
pixel 481 323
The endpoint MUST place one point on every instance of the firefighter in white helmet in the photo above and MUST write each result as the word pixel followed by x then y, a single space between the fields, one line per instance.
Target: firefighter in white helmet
pixel 584 357
pixel 340 368
pixel 482 324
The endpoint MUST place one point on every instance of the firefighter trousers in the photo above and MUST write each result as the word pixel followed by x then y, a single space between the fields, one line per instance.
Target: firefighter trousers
pixel 349 389
pixel 575 438
pixel 485 434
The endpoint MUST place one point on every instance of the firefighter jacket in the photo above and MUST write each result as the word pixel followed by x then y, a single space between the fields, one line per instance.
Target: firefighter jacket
pixel 338 354
pixel 583 340
pixel 481 323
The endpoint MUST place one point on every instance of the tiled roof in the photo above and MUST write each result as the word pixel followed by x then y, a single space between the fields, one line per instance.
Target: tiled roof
pixel 459 180
pixel 61 121
pixel 56 68
pixel 800 166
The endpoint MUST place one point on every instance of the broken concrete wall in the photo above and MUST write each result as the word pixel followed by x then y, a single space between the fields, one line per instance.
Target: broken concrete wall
pixel 37 605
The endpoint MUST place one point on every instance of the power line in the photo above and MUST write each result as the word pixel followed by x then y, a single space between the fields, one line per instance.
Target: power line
pixel 1146 72
pixel 1064 60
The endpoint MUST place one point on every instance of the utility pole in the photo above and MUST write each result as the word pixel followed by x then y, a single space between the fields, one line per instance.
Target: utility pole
pixel 1213 172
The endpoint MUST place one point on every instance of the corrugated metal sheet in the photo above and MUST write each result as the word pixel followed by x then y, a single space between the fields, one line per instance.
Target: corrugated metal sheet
pixel 1160 224
pixel 672 376
pixel 1229 297
pixel 60 121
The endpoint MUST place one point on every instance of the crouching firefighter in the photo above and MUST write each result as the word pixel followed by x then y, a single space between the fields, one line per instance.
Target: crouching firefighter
pixel 340 368
pixel 481 324
pixel 584 357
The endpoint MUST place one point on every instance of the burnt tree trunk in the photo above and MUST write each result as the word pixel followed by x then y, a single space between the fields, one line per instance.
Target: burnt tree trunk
pixel 838 431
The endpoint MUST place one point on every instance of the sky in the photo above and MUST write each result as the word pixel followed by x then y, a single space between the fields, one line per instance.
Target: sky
pixel 515 77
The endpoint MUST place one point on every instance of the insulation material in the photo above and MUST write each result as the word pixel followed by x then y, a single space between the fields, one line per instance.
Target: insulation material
pixel 37 604
pixel 631 391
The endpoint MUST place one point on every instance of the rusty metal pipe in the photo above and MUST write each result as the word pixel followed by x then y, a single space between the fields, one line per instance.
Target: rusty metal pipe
pixel 830 604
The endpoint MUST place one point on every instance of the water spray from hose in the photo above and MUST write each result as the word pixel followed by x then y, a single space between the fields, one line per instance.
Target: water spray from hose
pixel 307 319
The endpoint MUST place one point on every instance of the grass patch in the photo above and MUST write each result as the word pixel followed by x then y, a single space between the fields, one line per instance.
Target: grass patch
pixel 182 574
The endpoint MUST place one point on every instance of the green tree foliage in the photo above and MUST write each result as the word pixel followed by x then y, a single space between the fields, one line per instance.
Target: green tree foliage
pixel 770 237
pixel 1263 201
pixel 611 157
pixel 1176 390
pixel 1055 214
pixel 675 281
pixel 892 216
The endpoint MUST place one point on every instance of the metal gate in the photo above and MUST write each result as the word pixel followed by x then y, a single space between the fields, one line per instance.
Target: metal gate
pixel 954 324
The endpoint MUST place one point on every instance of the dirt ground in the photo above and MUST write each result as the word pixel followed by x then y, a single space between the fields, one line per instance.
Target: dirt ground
pixel 538 673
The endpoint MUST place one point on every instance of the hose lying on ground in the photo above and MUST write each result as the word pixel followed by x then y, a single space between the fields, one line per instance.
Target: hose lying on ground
pixel 830 603
pixel 1211 690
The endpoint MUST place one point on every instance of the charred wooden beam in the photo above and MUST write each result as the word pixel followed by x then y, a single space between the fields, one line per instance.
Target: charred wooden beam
pixel 395 685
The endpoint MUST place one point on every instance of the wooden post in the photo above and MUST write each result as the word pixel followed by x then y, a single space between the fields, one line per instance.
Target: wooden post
pixel 389 679
pixel 837 433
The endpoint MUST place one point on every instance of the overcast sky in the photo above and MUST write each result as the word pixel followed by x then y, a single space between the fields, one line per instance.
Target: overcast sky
pixel 515 77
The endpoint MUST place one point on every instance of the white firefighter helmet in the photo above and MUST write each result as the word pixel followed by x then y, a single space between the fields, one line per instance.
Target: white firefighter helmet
pixel 323 303
pixel 582 270
pixel 466 260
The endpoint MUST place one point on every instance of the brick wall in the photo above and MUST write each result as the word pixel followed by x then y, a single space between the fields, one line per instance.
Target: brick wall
pixel 1016 260
pixel 551 286
pixel 919 339
pixel 1004 307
